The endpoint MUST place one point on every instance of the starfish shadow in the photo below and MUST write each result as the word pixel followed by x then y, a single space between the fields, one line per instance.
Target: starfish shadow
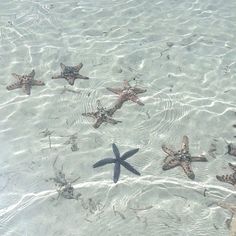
pixel 118 161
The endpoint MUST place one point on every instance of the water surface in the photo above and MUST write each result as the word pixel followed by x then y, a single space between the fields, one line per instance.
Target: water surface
pixel 182 52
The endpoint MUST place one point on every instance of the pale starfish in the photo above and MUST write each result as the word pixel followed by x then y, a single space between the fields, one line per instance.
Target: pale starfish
pixel 127 93
pixel 232 221
pixel 181 158
pixel 231 149
pixel 25 82
pixel 102 115
pixel 118 161
pixel 230 179
pixel 70 73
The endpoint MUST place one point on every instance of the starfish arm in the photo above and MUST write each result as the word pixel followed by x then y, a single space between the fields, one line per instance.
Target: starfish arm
pixel 89 114
pixel 232 150
pixel 199 158
pixel 112 121
pixel 71 80
pixel 188 169
pixel 82 76
pixel 139 90
pixel 233 167
pixel 16 76
pixel 185 144
pixel 57 77
pixel 167 150
pixel 118 104
pixel 98 123
pixel 32 74
pixel 79 66
pixel 104 162
pixel 128 154
pixel 229 149
pixel 135 99
pixel 26 88
pixel 230 207
pixel 116 151
pixel 126 84
pixel 111 111
pixel 129 167
pixel 226 179
pixel 14 86
pixel 170 164
pixel 62 66
pixel 37 82
pixel 116 172
pixel 115 90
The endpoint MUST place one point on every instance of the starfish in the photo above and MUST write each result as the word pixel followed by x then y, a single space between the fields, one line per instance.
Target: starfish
pixel 25 82
pixel 230 179
pixel 118 161
pixel 127 93
pixel 231 149
pixel 70 73
pixel 231 222
pixel 102 115
pixel 181 158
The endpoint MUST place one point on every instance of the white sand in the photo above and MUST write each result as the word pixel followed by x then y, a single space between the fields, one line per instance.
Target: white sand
pixel 182 52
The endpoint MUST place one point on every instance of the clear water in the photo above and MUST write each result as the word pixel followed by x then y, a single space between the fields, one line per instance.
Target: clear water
pixel 182 52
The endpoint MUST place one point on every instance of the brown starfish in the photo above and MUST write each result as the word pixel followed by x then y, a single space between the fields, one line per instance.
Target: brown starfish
pixel 70 73
pixel 181 158
pixel 102 115
pixel 231 149
pixel 25 82
pixel 230 179
pixel 127 93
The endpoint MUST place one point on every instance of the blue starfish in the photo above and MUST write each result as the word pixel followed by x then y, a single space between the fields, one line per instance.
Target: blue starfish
pixel 119 160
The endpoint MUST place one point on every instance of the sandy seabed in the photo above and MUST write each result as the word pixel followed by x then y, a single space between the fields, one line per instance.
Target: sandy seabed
pixel 182 52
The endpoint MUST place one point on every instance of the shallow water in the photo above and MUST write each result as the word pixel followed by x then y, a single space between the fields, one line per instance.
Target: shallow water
pixel 182 52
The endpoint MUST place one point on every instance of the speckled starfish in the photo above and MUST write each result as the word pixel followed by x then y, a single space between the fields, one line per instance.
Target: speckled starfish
pixel 118 161
pixel 127 93
pixel 230 179
pixel 181 158
pixel 25 82
pixel 102 115
pixel 70 73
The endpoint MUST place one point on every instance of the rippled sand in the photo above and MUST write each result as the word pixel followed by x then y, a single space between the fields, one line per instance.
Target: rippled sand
pixel 182 52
